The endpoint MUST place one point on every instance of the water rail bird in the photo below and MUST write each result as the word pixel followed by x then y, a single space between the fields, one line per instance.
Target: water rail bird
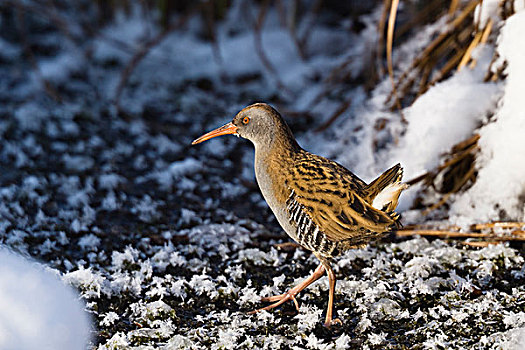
pixel 319 203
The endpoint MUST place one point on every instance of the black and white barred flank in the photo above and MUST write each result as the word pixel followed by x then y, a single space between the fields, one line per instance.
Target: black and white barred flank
pixel 308 233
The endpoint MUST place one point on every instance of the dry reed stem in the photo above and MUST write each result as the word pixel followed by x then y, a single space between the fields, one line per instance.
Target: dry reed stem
pixel 451 63
pixel 442 233
pixel 342 108
pixel 463 235
pixel 140 54
pixel 257 28
pixel 281 13
pixel 483 40
pixel 474 227
pixel 335 74
pixel 453 7
pixel 507 8
pixel 424 79
pixel 312 14
pixel 381 38
pixel 487 30
pixel 53 16
pixel 498 74
pixel 431 227
pixel 330 79
pixel 460 156
pixel 419 18
pixel 209 15
pixel 287 246
pixel 456 188
pixel 490 237
pixel 468 52
pixel 465 144
pixel 389 41
pixel 290 21
pixel 471 6
pixel 459 152
pixel 302 41
pixel 443 36
pixel 452 232
pixel 520 233
pixel 48 87
pixel 439 47
pixel 480 244
pixel 498 224
pixel 417 179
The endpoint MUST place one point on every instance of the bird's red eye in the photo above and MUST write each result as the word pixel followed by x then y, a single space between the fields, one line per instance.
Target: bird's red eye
pixel 245 120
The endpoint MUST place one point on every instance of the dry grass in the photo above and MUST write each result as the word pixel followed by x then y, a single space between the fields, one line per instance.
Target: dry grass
pixel 454 173
pixel 450 50
pixel 479 235
pixel 389 41
pixel 257 29
pixel 143 52
pixel 438 59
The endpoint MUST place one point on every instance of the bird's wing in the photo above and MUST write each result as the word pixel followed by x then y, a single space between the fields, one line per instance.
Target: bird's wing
pixel 331 203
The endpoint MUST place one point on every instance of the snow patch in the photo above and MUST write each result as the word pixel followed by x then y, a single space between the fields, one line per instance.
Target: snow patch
pixel 38 310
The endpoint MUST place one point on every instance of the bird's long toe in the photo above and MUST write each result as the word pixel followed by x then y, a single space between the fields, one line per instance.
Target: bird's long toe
pixel 280 299
pixel 273 298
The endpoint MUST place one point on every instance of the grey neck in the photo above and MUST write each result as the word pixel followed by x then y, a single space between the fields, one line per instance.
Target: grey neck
pixel 276 144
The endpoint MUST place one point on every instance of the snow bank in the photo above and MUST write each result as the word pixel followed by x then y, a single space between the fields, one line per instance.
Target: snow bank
pixel 500 186
pixel 449 112
pixel 446 114
pixel 37 310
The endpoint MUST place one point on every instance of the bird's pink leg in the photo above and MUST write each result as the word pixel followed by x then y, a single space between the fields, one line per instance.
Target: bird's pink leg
pixel 290 295
pixel 329 311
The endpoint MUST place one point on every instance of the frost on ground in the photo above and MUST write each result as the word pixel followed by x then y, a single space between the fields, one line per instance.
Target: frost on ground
pixel 170 245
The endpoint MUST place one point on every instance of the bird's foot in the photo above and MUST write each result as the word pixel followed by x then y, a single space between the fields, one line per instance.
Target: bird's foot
pixel 290 295
pixel 280 299
pixel 332 322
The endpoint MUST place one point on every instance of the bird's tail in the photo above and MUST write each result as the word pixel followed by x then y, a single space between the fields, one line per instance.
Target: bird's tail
pixel 383 193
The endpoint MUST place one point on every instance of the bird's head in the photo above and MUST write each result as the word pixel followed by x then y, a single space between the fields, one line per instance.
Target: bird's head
pixel 259 123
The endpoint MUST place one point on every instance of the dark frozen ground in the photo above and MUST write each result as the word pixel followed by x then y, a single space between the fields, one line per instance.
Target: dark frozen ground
pixel 170 245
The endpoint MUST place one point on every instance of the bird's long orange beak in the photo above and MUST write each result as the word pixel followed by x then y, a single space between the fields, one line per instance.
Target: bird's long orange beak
pixel 223 130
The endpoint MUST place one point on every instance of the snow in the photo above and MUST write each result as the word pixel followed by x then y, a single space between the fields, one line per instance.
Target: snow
pixel 109 319
pixel 30 116
pixel 500 186
pixel 109 181
pixel 176 171
pixel 38 310
pixel 92 283
pixel 59 68
pixel 485 11
pixel 448 112
pixel 202 284
pixel 248 295
pixel 89 242
pixel 308 317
